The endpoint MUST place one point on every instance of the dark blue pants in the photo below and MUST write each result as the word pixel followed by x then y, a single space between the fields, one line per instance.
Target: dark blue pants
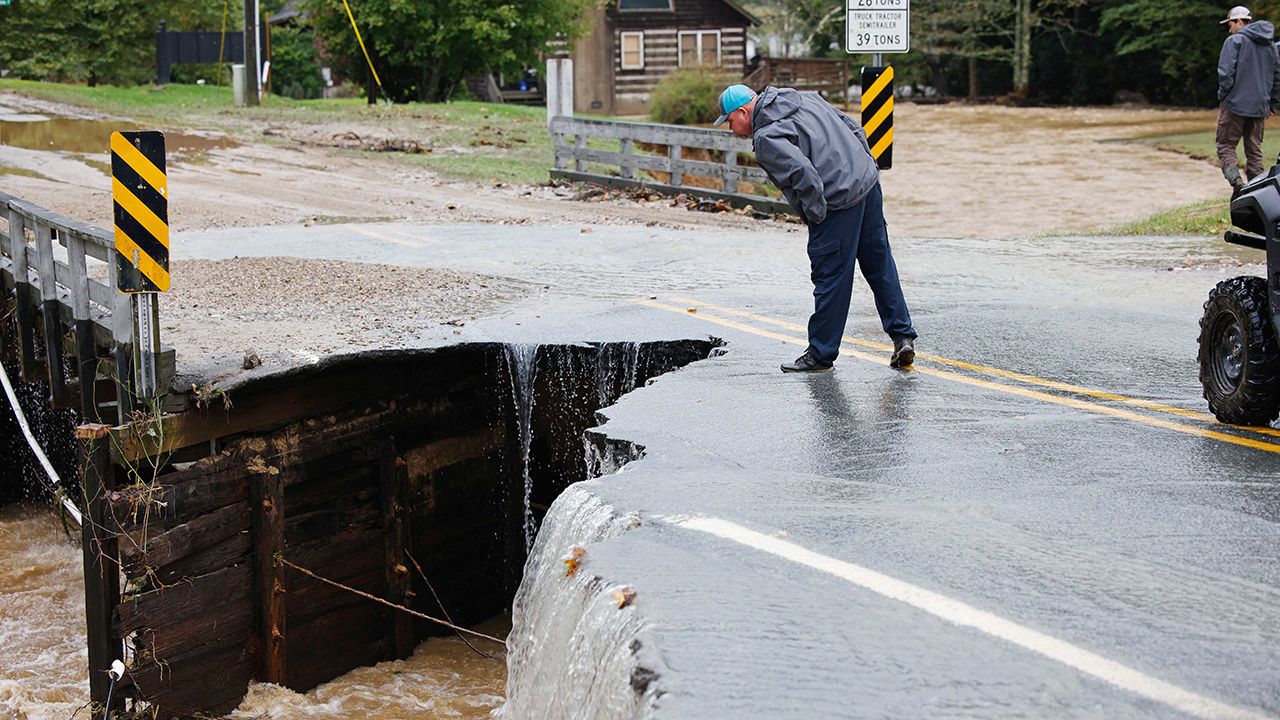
pixel 855 235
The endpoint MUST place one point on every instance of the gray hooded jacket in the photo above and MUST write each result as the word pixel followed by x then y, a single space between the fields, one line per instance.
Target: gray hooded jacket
pixel 1248 71
pixel 815 154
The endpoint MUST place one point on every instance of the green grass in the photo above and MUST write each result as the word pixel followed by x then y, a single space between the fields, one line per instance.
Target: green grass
pixel 1201 145
pixel 474 141
pixel 1209 217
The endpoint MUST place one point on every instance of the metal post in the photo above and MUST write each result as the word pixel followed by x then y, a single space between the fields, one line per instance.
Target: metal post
pixel 251 51
pixel 146 346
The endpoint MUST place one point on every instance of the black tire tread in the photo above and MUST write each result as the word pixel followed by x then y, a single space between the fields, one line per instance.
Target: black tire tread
pixel 1256 401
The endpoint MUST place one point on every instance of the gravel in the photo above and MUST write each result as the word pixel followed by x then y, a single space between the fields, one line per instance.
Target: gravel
pixel 290 311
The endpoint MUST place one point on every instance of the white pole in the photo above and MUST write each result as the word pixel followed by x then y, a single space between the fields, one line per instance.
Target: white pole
pixel 566 87
pixel 257 45
pixel 553 89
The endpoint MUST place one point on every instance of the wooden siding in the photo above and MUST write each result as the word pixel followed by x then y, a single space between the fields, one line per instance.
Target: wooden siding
pixel 662 57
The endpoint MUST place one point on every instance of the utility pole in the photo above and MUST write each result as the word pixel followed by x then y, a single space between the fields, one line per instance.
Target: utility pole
pixel 250 52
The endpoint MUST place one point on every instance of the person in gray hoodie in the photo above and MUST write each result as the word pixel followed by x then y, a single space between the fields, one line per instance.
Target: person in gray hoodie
pixel 1248 91
pixel 820 160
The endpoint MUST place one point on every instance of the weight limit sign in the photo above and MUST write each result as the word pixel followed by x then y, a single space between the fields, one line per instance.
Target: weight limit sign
pixel 877 26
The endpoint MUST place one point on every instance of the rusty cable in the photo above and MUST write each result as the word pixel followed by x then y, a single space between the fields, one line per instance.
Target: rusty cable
pixel 440 604
pixel 388 603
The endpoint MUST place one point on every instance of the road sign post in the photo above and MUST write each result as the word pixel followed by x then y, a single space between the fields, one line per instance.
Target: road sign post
pixel 139 190
pixel 878 27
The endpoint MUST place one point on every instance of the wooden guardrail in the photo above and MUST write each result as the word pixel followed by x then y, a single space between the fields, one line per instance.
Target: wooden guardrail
pixel 572 137
pixel 64 271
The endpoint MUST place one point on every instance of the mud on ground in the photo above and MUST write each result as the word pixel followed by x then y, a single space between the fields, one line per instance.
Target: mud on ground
pixel 959 170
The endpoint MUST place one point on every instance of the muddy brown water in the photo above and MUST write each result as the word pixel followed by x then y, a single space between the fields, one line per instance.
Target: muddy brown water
pixel 91 136
pixel 44 676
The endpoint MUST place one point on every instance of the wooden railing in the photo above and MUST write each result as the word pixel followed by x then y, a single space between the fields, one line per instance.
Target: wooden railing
pixel 667 171
pixel 64 271
pixel 819 74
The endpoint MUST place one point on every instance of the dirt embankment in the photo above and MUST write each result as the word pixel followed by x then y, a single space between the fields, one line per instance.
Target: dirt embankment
pixel 958 171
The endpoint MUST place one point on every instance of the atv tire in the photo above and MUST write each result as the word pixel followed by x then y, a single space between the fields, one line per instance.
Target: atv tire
pixel 1239 355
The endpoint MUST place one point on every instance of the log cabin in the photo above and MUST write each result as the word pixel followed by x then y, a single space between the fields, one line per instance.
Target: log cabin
pixel 634 44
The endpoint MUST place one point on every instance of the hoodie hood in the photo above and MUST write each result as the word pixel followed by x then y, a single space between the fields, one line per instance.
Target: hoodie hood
pixel 775 104
pixel 1259 31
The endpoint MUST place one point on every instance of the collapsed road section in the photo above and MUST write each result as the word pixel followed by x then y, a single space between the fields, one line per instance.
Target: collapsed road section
pixel 341 477
pixel 262 528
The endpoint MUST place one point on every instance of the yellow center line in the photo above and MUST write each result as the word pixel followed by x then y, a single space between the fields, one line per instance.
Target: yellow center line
pixel 997 372
pixel 989 385
pixel 383 236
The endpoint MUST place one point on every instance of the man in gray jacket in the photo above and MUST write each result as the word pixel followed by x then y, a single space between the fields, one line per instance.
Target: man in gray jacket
pixel 819 158
pixel 1248 89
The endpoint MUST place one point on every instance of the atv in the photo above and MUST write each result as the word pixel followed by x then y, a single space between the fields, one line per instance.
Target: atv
pixel 1239 354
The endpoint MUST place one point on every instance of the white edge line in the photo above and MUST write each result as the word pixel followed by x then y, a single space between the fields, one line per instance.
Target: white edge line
pixel 962 614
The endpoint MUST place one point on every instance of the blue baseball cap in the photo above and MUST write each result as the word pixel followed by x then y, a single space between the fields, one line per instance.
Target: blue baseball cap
pixel 733 97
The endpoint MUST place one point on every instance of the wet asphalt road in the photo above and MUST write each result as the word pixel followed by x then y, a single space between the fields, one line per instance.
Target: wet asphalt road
pixel 970 539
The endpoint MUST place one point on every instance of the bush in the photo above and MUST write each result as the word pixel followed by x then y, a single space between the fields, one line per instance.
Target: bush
pixel 688 97
pixel 295 64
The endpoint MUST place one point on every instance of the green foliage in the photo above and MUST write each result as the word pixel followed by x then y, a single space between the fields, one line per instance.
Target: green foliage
pixel 295 65
pixel 1180 38
pixel 688 97
pixel 92 41
pixel 423 50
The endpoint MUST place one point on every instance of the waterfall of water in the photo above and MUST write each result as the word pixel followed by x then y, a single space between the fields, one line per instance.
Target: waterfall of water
pixel 570 646
pixel 616 371
pixel 522 366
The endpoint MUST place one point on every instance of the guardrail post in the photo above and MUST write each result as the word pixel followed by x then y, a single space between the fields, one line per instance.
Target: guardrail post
pixel 22 295
pixel 122 344
pixel 731 165
pixel 561 150
pixel 674 156
pixel 86 351
pixel 49 309
pixel 627 165
pixel 579 147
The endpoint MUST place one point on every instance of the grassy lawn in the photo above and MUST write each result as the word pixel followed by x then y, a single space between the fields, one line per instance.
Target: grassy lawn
pixel 465 140
pixel 1210 217
pixel 1201 145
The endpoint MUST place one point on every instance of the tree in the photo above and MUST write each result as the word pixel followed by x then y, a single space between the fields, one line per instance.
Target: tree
pixel 1182 36
pixel 1029 18
pixel 970 29
pixel 93 41
pixel 423 50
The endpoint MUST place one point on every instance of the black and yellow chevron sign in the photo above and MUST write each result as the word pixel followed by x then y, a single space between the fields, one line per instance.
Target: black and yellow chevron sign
pixel 877 113
pixel 139 188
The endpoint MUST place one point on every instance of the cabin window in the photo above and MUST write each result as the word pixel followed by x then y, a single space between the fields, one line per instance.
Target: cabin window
pixel 644 5
pixel 699 47
pixel 632 51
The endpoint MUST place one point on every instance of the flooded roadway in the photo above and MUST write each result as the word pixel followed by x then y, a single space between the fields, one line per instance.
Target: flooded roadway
pixel 971 539
pixel 1038 521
